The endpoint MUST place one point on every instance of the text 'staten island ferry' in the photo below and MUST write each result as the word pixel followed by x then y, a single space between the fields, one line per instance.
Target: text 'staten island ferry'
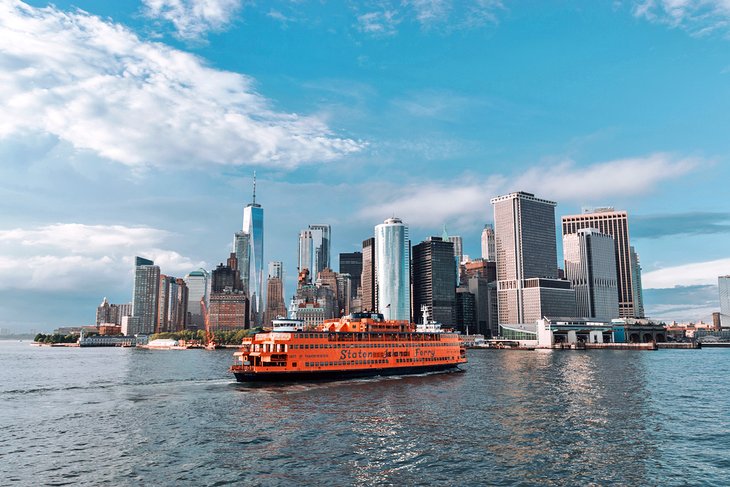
pixel 358 345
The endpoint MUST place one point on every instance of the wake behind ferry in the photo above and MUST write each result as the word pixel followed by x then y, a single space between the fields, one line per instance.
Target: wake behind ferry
pixel 358 345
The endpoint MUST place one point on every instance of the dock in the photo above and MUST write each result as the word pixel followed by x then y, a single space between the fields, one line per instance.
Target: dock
pixel 680 345
pixel 621 346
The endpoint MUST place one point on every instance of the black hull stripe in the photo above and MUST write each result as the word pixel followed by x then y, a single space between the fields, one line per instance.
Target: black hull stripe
pixel 337 374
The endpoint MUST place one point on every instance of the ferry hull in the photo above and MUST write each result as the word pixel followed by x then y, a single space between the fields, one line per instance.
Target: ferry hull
pixel 329 375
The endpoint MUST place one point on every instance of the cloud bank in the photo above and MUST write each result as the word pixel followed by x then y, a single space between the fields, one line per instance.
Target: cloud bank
pixel 694 274
pixel 73 256
pixel 99 87
pixel 467 200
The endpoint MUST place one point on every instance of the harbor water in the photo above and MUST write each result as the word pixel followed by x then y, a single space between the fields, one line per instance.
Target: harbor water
pixel 113 416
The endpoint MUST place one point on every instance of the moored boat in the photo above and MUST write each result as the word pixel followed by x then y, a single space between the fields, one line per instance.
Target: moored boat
pixel 358 345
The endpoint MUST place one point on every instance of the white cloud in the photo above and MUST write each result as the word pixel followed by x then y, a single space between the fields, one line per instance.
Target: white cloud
pixel 426 205
pixel 193 18
pixel 379 23
pixel 697 273
pixel 699 17
pixel 467 200
pixel 567 181
pixel 429 14
pixel 69 256
pixel 96 85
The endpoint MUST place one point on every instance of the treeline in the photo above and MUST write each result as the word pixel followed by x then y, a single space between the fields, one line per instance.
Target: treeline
pixel 55 338
pixel 222 337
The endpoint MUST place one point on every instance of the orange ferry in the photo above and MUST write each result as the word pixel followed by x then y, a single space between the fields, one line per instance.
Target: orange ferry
pixel 358 345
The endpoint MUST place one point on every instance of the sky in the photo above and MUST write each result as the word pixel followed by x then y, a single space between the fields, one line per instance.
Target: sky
pixel 134 127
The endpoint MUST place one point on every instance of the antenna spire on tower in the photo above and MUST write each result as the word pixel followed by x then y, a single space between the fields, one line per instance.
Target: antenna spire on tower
pixel 254 187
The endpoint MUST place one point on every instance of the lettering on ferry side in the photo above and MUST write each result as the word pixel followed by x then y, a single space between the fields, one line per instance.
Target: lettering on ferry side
pixel 351 354
pixel 420 352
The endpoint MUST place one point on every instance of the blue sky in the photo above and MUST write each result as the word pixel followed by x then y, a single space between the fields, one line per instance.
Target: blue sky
pixel 133 127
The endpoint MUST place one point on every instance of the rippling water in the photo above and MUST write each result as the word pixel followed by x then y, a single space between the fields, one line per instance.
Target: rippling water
pixel 130 417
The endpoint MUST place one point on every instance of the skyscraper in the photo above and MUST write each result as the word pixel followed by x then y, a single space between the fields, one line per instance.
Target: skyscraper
pixel 434 279
pixel 528 287
pixel 723 283
pixel 368 276
pixel 321 243
pixel 242 249
pixel 173 303
pixel 229 304
pixel 590 266
pixel 488 249
pixel 197 282
pixel 615 224
pixel 145 297
pixel 481 279
pixel 351 263
pixel 275 306
pixel 253 225
pixel 306 251
pixel 393 278
pixel 636 283
pixel 276 269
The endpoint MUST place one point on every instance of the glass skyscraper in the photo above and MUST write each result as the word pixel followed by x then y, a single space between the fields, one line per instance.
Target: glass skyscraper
pixel 242 249
pixel 197 291
pixel 321 242
pixel 305 252
pixel 392 260
pixel 590 266
pixel 723 283
pixel 253 226
pixel 434 279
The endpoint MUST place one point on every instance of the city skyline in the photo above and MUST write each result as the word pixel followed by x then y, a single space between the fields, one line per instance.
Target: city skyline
pixel 485 108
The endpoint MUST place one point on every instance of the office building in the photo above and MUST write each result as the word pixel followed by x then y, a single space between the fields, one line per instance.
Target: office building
pixel 321 244
pixel 276 269
pixel 227 277
pixel 145 297
pixel 306 252
pixel 723 283
pixel 275 306
pixel 616 224
pixel 480 277
pixel 636 283
pixel 228 310
pixel 173 304
pixel 590 266
pixel 434 280
pixel 465 311
pixel 488 249
pixel 108 313
pixel 368 276
pixel 229 305
pixel 393 278
pixel 351 263
pixel 253 226
pixel 197 283
pixel 242 249
pixel 344 294
pixel 528 287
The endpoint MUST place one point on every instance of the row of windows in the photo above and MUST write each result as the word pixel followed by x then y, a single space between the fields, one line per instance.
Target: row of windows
pixel 423 359
pixel 345 362
pixel 311 346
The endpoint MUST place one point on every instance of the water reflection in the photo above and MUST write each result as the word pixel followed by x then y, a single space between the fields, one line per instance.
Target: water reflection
pixel 128 417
